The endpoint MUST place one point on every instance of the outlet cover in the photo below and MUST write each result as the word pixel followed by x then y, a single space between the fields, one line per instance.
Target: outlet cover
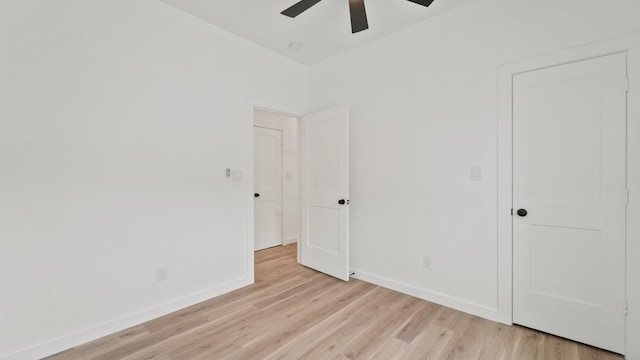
pixel 427 262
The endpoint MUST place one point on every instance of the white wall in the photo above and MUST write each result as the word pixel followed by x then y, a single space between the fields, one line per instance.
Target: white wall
pixel 117 121
pixel 118 118
pixel 423 111
pixel 290 188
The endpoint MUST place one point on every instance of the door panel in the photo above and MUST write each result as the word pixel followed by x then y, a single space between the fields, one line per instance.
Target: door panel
pixel 565 167
pixel 268 184
pixel 322 230
pixel 324 144
pixel 323 158
pixel 576 251
pixel 569 174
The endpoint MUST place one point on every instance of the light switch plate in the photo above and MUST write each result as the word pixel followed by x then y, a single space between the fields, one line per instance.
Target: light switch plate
pixel 236 175
pixel 476 173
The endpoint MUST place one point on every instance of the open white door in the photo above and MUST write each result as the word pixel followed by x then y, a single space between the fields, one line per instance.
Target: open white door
pixel 324 160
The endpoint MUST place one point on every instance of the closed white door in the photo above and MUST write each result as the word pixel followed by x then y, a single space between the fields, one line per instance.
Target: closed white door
pixel 267 187
pixel 324 150
pixel 569 198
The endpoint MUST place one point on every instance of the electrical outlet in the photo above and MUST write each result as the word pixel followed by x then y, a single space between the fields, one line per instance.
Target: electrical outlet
pixel 163 273
pixel 426 262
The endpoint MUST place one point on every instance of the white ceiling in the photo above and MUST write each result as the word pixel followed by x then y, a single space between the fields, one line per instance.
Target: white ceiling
pixel 324 29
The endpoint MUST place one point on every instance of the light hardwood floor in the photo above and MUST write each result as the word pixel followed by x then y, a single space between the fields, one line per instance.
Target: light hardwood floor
pixel 292 312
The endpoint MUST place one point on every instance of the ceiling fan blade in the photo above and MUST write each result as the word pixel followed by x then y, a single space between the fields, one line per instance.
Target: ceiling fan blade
pixel 299 7
pixel 358 16
pixel 422 2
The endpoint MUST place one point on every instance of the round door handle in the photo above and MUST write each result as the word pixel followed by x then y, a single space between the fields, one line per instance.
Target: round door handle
pixel 522 212
pixel 342 201
pixel 256 195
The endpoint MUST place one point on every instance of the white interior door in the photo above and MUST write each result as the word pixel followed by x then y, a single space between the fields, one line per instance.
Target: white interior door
pixel 569 173
pixel 324 150
pixel 267 187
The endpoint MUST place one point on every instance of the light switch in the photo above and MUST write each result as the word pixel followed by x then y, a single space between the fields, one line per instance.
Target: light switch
pixel 476 173
pixel 236 175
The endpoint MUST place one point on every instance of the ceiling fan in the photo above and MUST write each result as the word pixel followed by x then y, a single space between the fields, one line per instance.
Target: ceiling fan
pixel 356 8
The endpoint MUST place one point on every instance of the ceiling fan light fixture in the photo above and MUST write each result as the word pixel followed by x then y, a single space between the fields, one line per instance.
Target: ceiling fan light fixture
pixel 295 46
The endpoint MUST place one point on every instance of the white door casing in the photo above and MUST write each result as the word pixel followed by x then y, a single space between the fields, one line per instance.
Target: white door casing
pixel 324 181
pixel 267 188
pixel 569 173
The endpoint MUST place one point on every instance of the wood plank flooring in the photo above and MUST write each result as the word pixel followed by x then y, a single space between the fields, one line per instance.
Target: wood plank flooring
pixel 292 312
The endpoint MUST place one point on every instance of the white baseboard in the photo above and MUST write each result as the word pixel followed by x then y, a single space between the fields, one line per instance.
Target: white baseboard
pixel 487 312
pixel 95 332
pixel 290 240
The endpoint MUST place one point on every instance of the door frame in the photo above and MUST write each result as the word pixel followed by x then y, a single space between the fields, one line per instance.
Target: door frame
pixel 631 46
pixel 250 105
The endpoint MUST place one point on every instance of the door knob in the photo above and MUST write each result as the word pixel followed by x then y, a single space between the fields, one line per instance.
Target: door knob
pixel 342 202
pixel 256 195
pixel 522 212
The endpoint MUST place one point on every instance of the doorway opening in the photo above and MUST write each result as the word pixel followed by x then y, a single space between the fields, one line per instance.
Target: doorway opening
pixel 314 185
pixel 275 181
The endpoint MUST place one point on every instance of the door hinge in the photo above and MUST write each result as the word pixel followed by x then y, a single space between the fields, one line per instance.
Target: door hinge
pixel 627 200
pixel 626 308
pixel 511 212
pixel 627 84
